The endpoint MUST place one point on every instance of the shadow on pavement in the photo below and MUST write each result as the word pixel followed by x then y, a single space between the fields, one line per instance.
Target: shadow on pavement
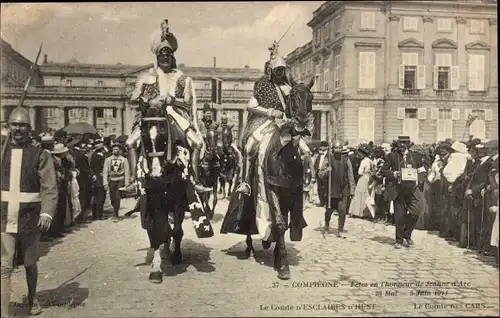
pixel 261 256
pixel 68 296
pixel 383 240
pixel 193 254
pixel 45 246
pixel 217 218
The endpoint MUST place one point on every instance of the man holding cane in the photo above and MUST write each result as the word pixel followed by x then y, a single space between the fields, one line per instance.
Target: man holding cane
pixel 338 174
pixel 28 202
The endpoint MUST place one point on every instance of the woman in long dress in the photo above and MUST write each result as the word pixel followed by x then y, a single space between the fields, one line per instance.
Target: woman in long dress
pixel 358 207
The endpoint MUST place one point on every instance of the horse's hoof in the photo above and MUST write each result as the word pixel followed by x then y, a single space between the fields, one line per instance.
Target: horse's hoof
pixel 266 244
pixel 248 252
pixel 283 274
pixel 156 277
pixel 176 258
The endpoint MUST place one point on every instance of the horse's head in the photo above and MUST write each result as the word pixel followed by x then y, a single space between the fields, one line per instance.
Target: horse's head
pixel 156 143
pixel 227 136
pixel 299 107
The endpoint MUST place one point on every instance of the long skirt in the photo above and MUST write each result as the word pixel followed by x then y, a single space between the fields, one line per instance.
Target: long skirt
pixel 424 221
pixel 358 205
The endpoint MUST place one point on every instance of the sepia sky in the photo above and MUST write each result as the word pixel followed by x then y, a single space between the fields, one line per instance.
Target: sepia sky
pixel 237 33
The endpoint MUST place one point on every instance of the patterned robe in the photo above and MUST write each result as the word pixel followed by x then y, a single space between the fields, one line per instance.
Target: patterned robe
pixel 266 95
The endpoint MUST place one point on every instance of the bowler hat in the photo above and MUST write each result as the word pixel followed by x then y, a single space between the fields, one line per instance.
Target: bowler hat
pixel 324 144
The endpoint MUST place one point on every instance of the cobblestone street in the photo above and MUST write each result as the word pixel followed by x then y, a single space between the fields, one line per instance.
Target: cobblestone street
pixel 96 272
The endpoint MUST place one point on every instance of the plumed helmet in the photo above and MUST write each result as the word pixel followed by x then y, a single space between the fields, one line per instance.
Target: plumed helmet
pixel 223 117
pixel 276 60
pixel 163 39
pixel 20 116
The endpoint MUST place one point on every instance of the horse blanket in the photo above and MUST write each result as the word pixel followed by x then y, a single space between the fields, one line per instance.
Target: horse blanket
pixel 257 214
pixel 199 217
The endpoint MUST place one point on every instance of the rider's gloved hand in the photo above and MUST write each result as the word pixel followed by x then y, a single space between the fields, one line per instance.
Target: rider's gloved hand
pixel 157 102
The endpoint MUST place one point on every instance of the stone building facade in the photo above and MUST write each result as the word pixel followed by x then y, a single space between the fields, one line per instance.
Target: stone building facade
pixel 417 68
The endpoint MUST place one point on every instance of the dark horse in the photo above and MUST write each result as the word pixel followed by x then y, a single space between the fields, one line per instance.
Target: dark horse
pixel 210 171
pixel 228 162
pixel 277 188
pixel 161 169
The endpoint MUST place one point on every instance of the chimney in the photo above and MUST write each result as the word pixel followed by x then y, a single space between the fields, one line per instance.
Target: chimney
pixel 45 56
pixel 215 61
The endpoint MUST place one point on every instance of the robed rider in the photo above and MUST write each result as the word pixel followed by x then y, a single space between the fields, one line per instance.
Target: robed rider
pixel 165 88
pixel 270 94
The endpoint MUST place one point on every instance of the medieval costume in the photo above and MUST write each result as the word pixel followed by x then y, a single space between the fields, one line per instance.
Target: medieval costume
pixel 405 169
pixel 29 197
pixel 358 207
pixel 166 88
pixel 268 103
pixel 338 168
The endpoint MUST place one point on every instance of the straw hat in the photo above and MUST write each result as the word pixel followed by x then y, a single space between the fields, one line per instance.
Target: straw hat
pixel 59 148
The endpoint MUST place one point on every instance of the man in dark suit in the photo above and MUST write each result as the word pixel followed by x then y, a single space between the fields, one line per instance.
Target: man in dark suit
pixel 404 170
pixel 96 167
pixel 320 163
pixel 84 178
pixel 474 194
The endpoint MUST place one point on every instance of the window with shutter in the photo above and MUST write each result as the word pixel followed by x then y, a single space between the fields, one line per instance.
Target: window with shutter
pixel 476 26
pixel 422 113
pixel 337 72
pixel 444 25
pixel 434 113
pixel 455 114
pixel 411 123
pixel 410 24
pixel 421 77
pixel 442 72
pixel 476 72
pixel 367 20
pixel 336 25
pixel 444 125
pixel 408 72
pixel 327 31
pixel 478 126
pixel 488 114
pixel 362 76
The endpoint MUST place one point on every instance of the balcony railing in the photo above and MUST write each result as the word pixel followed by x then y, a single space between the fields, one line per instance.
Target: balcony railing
pixel 411 92
pixel 445 93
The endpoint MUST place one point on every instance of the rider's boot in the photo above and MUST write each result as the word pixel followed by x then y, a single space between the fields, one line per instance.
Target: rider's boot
pixel 132 158
pixel 195 159
pixel 244 186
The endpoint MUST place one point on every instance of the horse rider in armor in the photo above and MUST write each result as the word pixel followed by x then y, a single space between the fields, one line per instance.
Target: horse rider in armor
pixel 165 87
pixel 207 123
pixel 268 103
pixel 224 125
